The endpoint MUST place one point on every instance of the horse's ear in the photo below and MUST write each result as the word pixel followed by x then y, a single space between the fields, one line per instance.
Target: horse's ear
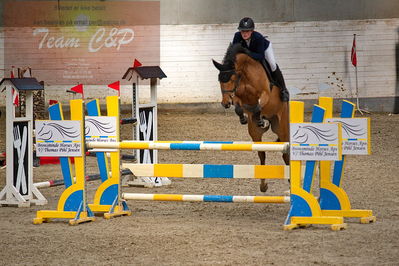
pixel 217 65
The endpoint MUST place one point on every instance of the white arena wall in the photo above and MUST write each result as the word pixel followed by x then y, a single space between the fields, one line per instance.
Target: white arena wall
pixel 314 57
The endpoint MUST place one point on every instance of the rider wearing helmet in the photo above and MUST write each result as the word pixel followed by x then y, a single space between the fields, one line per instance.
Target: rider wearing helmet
pixel 260 49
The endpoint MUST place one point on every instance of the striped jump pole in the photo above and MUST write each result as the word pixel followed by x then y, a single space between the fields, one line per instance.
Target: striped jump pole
pixel 206 198
pixel 194 145
pixel 211 171
pixel 60 182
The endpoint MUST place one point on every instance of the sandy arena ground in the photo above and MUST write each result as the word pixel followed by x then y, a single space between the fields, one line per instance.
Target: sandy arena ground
pixel 177 233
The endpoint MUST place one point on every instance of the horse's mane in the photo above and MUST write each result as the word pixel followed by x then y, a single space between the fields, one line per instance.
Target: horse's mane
pixel 230 56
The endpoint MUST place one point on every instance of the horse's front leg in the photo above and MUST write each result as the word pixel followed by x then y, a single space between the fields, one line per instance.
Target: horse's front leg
pixel 239 111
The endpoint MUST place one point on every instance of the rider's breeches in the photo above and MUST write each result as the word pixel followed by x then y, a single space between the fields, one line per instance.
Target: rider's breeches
pixel 269 56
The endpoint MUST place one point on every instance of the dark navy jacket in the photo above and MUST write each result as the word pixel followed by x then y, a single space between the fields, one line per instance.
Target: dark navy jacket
pixel 257 46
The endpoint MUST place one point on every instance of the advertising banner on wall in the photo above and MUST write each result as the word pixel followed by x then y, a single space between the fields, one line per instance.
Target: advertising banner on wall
pixel 87 42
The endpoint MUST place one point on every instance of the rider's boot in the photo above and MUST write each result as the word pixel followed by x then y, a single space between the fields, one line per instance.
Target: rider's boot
pixel 278 78
pixel 240 112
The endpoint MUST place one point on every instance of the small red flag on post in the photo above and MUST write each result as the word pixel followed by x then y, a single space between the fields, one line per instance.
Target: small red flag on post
pixel 51 102
pixel 78 89
pixel 15 97
pixel 136 63
pixel 353 53
pixel 116 86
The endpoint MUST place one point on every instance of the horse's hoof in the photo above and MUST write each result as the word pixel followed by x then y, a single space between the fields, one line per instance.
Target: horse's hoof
pixel 243 121
pixel 263 187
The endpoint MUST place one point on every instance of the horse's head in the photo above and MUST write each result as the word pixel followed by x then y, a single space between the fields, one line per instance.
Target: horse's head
pixel 229 77
pixel 229 82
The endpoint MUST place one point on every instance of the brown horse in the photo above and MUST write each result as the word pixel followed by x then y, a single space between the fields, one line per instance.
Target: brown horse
pixel 244 83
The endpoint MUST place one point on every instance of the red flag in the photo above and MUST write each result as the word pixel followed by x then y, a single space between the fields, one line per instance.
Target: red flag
pixel 353 53
pixel 78 89
pixel 116 86
pixel 136 63
pixel 51 102
pixel 15 97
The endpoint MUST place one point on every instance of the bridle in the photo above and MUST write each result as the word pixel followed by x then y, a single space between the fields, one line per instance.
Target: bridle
pixel 229 73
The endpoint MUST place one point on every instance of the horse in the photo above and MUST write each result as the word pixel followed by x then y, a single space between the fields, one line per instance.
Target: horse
pixel 245 84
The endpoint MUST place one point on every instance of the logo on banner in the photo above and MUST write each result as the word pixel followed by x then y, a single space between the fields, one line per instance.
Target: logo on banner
pixel 315 142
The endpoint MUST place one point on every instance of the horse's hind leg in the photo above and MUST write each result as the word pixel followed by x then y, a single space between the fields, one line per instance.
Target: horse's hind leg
pixel 263 184
pixel 280 126
pixel 286 156
pixel 256 134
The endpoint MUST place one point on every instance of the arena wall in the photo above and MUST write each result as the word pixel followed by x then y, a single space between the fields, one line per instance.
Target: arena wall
pixel 312 41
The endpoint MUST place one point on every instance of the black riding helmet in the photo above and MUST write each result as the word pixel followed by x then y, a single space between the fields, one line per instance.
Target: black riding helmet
pixel 246 24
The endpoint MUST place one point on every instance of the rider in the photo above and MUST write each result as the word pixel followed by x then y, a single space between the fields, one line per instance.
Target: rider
pixel 260 49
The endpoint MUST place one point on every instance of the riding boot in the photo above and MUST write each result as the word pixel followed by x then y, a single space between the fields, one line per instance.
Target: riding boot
pixel 240 112
pixel 278 78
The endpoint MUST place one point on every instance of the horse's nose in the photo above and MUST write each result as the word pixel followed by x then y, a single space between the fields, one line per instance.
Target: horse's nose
pixel 226 105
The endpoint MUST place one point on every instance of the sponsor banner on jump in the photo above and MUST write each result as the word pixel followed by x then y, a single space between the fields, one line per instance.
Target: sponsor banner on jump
pixel 101 129
pixel 355 135
pixel 58 138
pixel 315 141
pixel 86 42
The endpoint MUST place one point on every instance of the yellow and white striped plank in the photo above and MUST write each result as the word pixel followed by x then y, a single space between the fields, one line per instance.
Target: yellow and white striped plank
pixel 193 145
pixel 206 198
pixel 210 171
